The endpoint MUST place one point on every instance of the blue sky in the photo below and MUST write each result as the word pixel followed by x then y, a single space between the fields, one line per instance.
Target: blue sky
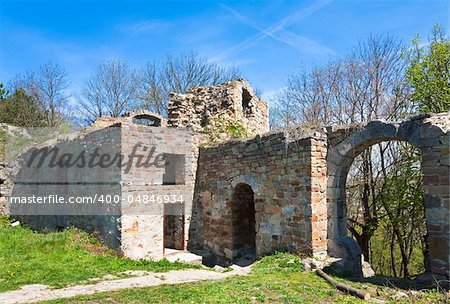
pixel 266 39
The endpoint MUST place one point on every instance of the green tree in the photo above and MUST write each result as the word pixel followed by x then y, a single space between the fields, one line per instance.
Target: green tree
pixel 402 198
pixel 3 92
pixel 429 73
pixel 19 109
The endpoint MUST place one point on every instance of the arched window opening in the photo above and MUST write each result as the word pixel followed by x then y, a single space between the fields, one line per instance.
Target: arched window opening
pixel 147 120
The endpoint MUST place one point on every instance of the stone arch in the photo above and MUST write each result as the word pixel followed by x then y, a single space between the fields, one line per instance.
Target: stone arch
pixel 243 221
pixel 246 179
pixel 147 120
pixel 145 117
pixel 424 132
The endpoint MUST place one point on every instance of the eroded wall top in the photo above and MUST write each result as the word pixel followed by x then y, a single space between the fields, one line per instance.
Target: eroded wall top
pixel 229 110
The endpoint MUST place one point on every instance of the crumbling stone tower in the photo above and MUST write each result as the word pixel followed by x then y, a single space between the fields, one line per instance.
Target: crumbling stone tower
pixel 225 109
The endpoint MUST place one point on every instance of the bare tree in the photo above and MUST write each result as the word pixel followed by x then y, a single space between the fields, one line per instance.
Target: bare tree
pixel 275 118
pixel 47 86
pixel 111 90
pixel 374 80
pixel 368 84
pixel 373 86
pixel 152 95
pixel 311 97
pixel 115 87
pixel 179 74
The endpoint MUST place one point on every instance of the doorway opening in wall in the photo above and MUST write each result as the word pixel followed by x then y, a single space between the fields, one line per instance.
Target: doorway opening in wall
pixel 243 222
pixel 385 208
pixel 174 226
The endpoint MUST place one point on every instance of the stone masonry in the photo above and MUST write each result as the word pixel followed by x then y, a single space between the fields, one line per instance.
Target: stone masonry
pixel 288 179
pixel 431 134
pixel 283 190
pixel 143 226
pixel 298 179
pixel 127 211
pixel 213 107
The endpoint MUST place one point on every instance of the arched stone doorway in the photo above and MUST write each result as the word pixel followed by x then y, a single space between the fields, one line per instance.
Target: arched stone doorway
pixel 432 138
pixel 243 221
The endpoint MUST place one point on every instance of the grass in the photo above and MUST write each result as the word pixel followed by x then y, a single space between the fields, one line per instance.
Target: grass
pixel 61 259
pixel 274 279
pixel 72 257
pixel 278 278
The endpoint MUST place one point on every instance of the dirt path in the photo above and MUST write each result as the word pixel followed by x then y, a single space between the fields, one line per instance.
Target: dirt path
pixel 36 293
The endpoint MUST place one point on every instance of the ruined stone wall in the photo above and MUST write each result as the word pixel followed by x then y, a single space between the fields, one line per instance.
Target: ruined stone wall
pixel 435 147
pixel 318 173
pixel 428 132
pixel 143 224
pixel 222 109
pixel 9 134
pixel 288 178
pixel 296 178
pixel 129 224
pixel 65 181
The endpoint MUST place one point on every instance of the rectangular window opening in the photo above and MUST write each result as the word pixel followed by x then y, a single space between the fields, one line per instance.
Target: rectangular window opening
pixel 174 169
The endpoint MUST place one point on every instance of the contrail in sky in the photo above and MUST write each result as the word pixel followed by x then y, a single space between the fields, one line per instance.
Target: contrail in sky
pixel 277 31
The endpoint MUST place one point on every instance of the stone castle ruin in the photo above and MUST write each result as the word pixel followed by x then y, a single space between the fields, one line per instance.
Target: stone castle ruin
pixel 245 190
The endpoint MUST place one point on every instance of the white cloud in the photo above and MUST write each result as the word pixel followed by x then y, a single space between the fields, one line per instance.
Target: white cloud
pixel 302 43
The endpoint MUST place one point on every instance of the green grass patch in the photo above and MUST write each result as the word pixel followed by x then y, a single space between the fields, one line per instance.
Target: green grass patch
pixel 72 257
pixel 275 279
pixel 60 259
pixel 278 278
